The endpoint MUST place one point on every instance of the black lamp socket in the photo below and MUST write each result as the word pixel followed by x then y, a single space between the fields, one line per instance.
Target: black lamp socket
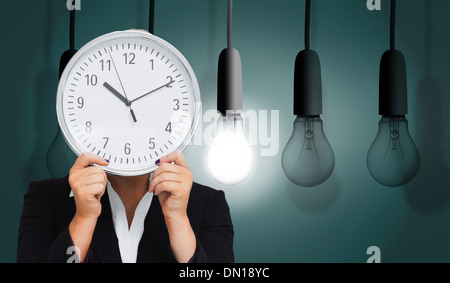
pixel 307 84
pixel 393 84
pixel 229 82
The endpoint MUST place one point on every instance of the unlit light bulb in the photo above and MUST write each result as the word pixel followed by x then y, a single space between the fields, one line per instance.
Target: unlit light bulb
pixel 230 157
pixel 60 158
pixel 393 159
pixel 308 159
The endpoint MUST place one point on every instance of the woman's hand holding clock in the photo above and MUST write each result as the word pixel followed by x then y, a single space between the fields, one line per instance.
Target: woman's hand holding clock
pixel 172 183
pixel 88 185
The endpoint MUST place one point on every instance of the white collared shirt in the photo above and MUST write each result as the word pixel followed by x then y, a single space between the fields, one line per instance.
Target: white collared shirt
pixel 128 239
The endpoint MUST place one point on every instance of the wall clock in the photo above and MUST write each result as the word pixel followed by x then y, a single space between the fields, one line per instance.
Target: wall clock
pixel 129 97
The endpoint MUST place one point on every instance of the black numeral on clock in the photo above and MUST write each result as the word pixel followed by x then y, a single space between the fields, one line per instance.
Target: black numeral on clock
pixel 177 104
pixel 106 141
pixel 151 143
pixel 169 128
pixel 80 101
pixel 106 65
pixel 152 64
pixel 129 58
pixel 91 80
pixel 127 148
pixel 88 126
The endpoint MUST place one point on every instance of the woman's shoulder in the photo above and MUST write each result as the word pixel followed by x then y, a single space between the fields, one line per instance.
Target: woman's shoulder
pixel 199 189
pixel 53 186
pixel 205 194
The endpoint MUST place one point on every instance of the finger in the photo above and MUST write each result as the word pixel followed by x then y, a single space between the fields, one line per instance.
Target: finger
pixel 176 157
pixel 166 186
pixel 164 177
pixel 96 179
pixel 93 170
pixel 97 189
pixel 87 159
pixel 80 178
pixel 90 191
pixel 167 167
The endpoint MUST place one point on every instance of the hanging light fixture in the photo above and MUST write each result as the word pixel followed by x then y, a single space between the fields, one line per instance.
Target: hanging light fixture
pixel 230 157
pixel 151 19
pixel 393 159
pixel 308 159
pixel 60 157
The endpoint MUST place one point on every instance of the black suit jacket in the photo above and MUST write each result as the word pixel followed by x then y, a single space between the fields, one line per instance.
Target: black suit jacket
pixel 48 210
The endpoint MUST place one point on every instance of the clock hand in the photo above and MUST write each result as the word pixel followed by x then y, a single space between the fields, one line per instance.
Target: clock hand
pixel 117 94
pixel 156 89
pixel 123 89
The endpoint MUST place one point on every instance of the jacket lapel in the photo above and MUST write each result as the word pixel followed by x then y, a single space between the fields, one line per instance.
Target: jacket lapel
pixel 105 246
pixel 154 245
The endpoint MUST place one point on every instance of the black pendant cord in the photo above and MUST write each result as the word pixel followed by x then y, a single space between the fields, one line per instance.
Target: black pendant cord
pixel 229 22
pixel 151 24
pixel 72 30
pixel 307 24
pixel 67 55
pixel 393 20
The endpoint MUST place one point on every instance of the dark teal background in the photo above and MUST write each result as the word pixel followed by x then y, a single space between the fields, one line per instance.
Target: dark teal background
pixel 275 221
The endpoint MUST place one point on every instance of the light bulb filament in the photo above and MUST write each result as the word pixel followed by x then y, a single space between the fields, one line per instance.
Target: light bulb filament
pixel 309 151
pixel 309 133
pixel 394 149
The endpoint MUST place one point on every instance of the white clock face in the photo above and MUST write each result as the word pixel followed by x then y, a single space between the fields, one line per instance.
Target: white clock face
pixel 128 97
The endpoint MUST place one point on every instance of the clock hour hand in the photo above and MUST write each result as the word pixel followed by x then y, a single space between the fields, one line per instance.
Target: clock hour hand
pixel 122 98
pixel 117 94
pixel 156 89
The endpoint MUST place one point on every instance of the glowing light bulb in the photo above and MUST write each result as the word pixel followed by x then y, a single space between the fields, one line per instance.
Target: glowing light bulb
pixel 230 157
pixel 393 159
pixel 308 159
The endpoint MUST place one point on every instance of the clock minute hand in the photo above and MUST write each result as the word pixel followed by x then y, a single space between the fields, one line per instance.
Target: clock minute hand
pixel 156 89
pixel 128 103
pixel 117 94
